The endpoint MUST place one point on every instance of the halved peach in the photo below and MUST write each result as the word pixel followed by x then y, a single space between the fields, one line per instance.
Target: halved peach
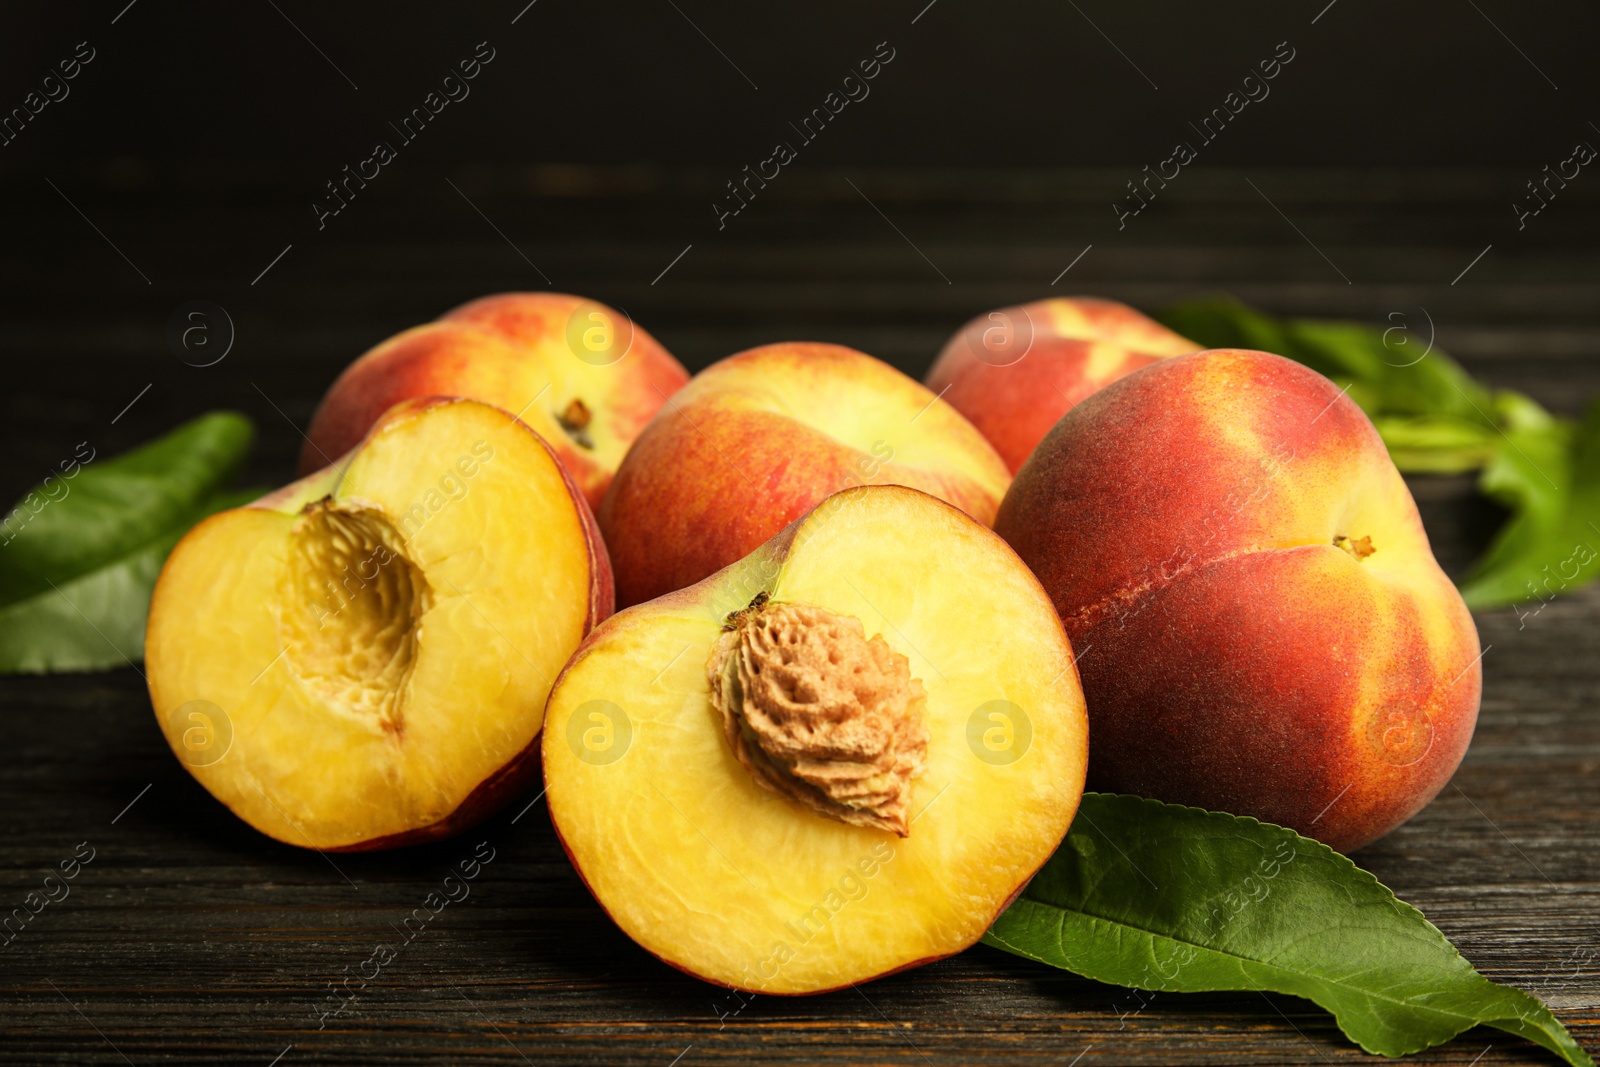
pixel 839 757
pixel 361 660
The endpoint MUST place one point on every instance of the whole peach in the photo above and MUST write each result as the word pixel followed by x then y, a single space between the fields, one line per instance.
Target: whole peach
pixel 1261 624
pixel 581 374
pixel 1015 371
pixel 757 440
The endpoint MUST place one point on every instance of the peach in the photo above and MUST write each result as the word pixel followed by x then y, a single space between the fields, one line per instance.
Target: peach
pixel 758 439
pixel 1014 372
pixel 1261 625
pixel 361 660
pixel 839 757
pixel 583 375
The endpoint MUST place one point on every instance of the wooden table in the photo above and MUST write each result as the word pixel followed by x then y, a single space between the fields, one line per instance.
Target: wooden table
pixel 191 938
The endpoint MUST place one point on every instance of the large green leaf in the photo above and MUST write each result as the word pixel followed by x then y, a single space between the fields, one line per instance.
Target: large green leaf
pixel 1163 897
pixel 80 554
pixel 1436 420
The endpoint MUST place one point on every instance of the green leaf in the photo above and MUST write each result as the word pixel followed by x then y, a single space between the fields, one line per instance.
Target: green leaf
pixel 1437 444
pixel 1549 478
pixel 1163 897
pixel 80 554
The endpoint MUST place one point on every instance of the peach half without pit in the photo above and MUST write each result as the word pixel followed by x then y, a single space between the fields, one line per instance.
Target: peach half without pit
pixel 1015 371
pixel 583 375
pixel 756 440
pixel 839 757
pixel 361 659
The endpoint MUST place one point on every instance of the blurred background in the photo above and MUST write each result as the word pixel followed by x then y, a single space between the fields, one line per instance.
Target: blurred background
pixel 1375 175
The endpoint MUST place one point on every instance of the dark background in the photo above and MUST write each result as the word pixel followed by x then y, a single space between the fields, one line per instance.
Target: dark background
pixel 1434 83
pixel 590 152
pixel 1376 182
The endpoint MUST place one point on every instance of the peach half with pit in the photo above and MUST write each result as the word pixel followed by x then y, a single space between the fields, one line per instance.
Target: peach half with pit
pixel 361 659
pixel 1015 371
pixel 839 757
pixel 582 374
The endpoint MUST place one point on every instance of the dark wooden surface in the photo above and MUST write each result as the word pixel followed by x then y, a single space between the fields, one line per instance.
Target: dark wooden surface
pixel 192 939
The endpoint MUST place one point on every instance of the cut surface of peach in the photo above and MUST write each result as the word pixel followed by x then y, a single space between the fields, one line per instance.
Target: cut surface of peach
pixel 837 758
pixel 362 659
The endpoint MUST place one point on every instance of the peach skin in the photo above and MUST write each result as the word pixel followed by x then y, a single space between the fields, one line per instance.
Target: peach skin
pixel 1261 624
pixel 758 439
pixel 581 374
pixel 1015 371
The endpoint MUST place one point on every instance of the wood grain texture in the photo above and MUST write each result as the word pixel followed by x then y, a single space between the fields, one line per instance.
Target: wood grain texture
pixel 191 939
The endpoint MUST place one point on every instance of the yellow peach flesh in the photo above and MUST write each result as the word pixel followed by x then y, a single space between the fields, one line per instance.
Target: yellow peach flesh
pixel 745 887
pixel 375 671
